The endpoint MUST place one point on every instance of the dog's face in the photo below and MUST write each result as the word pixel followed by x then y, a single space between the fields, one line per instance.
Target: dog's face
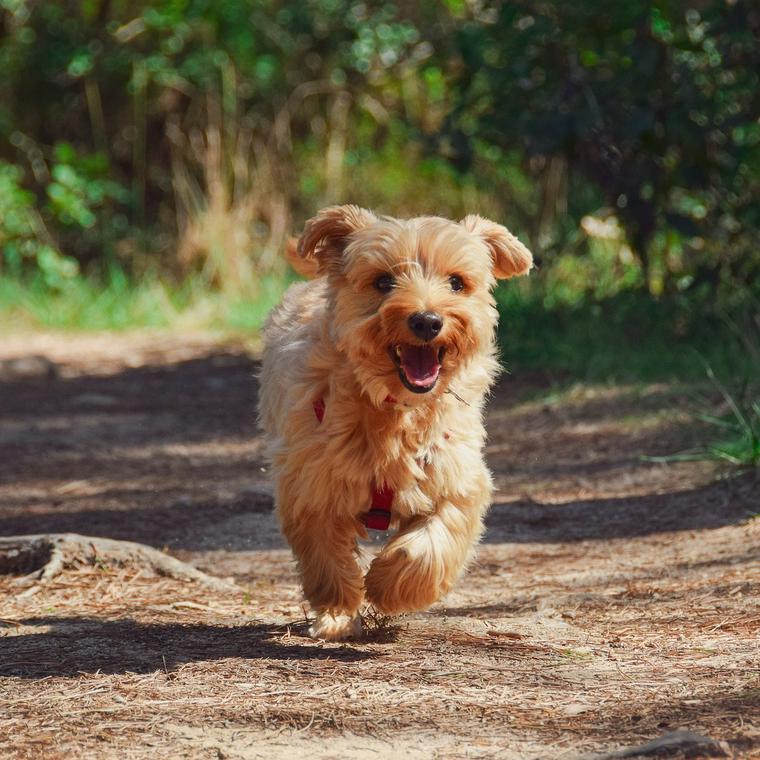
pixel 411 299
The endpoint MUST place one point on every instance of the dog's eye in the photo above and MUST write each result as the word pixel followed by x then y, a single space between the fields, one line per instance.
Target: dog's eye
pixel 385 283
pixel 456 282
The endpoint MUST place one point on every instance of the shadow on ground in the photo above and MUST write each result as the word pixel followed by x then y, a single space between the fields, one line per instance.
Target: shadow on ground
pixel 187 402
pixel 201 526
pixel 73 646
pixel 706 507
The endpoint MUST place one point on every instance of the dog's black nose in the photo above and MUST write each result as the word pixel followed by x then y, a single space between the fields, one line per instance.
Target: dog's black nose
pixel 425 324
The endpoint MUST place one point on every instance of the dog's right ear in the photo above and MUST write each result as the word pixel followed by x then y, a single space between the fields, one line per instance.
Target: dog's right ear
pixel 325 236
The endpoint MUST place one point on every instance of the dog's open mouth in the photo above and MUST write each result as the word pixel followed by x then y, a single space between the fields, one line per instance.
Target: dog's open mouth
pixel 418 366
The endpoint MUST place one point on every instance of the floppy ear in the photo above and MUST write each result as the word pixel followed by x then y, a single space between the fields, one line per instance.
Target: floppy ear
pixel 510 257
pixel 325 236
pixel 305 267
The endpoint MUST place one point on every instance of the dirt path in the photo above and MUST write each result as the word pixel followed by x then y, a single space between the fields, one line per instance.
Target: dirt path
pixel 614 600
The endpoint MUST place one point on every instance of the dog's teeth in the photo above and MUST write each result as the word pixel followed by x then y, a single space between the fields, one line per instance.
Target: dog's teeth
pixel 397 349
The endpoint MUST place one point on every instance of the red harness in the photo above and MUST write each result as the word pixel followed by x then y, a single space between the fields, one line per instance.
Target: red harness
pixel 379 515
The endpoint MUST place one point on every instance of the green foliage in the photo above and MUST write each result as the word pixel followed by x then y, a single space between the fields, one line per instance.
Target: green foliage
pixel 739 439
pixel 80 188
pixel 733 419
pixel 656 105
pixel 23 237
pixel 626 337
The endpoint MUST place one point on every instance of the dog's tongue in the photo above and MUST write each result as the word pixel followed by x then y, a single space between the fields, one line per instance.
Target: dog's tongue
pixel 420 364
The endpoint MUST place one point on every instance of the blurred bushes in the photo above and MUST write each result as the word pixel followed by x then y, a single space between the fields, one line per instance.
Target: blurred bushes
pixel 24 238
pixel 188 139
pixel 654 105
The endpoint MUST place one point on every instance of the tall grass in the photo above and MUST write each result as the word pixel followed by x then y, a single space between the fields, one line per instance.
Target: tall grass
pixel 738 440
pixel 232 211
pixel 117 302
pixel 737 420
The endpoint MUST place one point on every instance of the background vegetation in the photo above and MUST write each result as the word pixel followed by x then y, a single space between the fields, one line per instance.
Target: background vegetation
pixel 155 155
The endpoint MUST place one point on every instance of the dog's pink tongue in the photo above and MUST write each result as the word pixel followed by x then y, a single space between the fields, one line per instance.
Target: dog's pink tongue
pixel 420 364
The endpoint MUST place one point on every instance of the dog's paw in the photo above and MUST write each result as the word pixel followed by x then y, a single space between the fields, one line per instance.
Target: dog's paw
pixel 398 583
pixel 329 627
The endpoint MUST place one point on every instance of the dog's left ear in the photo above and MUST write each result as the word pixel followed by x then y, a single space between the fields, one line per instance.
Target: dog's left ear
pixel 326 235
pixel 510 257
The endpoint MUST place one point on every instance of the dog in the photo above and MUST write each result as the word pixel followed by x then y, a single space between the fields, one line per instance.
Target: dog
pixel 373 382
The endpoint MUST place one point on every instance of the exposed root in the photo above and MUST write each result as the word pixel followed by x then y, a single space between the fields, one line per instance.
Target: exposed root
pixel 40 558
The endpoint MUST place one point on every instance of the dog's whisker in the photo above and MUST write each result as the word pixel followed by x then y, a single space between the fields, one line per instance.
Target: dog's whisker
pixel 457 396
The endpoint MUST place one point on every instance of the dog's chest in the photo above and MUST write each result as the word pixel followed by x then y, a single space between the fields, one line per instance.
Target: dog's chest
pixel 419 458
pixel 411 456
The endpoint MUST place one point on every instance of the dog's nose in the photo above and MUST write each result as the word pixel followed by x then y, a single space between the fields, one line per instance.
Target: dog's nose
pixel 425 324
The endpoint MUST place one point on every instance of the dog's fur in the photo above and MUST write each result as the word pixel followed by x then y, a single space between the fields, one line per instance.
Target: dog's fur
pixel 333 339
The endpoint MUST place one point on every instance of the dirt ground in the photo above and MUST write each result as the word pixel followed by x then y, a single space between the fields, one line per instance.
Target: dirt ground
pixel 614 599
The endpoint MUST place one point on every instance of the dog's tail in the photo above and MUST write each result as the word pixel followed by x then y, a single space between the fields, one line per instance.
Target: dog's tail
pixel 305 267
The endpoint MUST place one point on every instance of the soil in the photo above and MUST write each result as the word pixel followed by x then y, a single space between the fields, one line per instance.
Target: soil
pixel 614 599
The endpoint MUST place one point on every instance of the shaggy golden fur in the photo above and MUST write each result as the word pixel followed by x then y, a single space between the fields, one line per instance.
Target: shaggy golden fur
pixel 401 408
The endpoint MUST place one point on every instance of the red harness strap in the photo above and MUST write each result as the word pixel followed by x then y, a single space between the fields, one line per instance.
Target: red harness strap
pixel 379 515
pixel 319 409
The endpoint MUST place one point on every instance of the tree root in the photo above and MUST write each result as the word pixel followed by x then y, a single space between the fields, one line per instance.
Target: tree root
pixel 40 558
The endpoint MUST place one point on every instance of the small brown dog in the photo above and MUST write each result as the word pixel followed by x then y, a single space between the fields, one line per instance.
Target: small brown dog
pixel 372 389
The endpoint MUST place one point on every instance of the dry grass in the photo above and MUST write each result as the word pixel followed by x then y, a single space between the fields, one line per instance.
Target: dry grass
pixel 546 650
pixel 233 214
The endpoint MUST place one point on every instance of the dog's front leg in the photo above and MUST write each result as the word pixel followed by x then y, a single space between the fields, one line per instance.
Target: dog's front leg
pixel 424 560
pixel 330 574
